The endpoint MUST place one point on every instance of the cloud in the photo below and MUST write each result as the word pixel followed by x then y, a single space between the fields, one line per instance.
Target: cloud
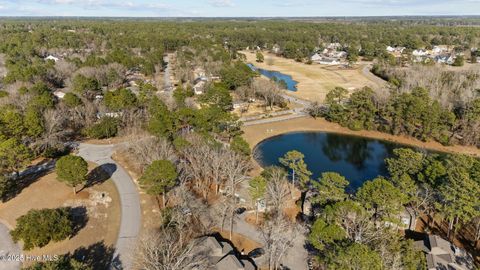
pixel 221 3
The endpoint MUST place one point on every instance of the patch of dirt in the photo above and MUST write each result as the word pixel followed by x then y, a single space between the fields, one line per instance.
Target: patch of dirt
pixel 101 203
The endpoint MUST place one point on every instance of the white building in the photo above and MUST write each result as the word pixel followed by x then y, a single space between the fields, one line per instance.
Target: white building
pixel 316 57
pixel 51 57
pixel 419 53
pixel 59 94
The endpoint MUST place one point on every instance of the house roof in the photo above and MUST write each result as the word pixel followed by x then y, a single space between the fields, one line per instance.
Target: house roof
pixel 229 262
pixel 441 254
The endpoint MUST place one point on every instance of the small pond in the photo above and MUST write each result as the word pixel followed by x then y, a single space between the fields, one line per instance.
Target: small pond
pixel 278 76
pixel 358 159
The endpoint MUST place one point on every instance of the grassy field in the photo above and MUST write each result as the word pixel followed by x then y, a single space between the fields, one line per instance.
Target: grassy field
pixel 100 230
pixel 315 80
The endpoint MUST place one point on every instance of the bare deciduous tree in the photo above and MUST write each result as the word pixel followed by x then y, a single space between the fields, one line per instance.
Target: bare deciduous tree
pixel 168 249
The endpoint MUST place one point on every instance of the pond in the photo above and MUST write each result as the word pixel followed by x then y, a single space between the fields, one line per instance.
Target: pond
pixel 278 76
pixel 358 159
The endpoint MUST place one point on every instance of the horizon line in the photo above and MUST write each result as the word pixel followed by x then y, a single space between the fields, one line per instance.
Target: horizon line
pixel 246 17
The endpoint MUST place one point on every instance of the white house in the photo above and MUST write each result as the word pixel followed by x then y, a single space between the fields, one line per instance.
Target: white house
pixel 199 87
pixel 316 57
pixel 59 94
pixel 51 57
pixel 334 46
pixel 390 49
pixel 419 53
pixel 329 61
pixel 445 59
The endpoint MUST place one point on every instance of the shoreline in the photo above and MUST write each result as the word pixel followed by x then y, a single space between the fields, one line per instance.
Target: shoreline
pixel 257 133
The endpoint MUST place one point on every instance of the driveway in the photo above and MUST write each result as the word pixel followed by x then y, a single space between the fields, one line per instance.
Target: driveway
pixel 7 247
pixel 129 201
pixel 295 258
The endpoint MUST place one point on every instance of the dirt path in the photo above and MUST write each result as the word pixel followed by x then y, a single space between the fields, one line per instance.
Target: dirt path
pixel 257 133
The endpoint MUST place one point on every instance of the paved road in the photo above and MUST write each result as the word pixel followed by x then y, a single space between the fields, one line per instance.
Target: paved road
pixel 367 73
pixel 129 201
pixel 7 247
pixel 279 116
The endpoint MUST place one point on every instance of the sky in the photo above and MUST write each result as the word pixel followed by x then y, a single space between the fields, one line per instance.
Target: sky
pixel 237 8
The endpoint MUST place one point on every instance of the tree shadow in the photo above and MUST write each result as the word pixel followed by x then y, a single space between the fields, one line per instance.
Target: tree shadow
pixel 97 256
pixel 17 183
pixel 100 174
pixel 79 218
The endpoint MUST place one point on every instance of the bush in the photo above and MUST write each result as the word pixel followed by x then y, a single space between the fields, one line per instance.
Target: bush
pixel 106 128
pixel 72 100
pixel 3 94
pixel 39 227
pixel 63 263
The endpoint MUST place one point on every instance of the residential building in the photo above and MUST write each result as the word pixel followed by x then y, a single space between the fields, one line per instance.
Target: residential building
pixel 442 255
pixel 316 57
pixel 445 59
pixel 51 57
pixel 59 94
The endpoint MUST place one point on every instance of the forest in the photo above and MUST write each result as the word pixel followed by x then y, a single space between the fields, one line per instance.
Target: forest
pixel 193 146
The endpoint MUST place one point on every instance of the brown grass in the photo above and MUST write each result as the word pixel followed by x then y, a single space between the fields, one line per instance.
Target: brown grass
pixel 103 219
pixel 315 80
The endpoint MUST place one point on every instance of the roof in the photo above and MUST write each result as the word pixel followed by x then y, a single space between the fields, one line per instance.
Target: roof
pixel 435 241
pixel 229 262
pixel 441 254
pixel 223 255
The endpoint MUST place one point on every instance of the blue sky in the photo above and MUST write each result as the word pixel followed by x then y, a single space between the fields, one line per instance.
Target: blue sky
pixel 236 8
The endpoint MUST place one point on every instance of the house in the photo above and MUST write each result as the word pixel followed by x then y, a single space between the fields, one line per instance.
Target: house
pixel 101 115
pixel 59 94
pixel 445 59
pixel 316 57
pixel 199 87
pixel 329 61
pixel 276 49
pixel 221 255
pixel 441 254
pixel 334 46
pixel 51 57
pixel 239 105
pixel 395 50
pixel 419 53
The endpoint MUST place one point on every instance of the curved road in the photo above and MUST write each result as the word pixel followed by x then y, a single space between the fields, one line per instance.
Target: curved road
pixel 129 201
pixel 8 247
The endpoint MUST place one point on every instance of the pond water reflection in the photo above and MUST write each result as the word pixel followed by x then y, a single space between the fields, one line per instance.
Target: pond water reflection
pixel 358 159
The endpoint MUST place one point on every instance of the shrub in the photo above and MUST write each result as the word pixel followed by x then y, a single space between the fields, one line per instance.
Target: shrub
pixel 72 100
pixel 3 94
pixel 106 128
pixel 39 227
pixel 63 263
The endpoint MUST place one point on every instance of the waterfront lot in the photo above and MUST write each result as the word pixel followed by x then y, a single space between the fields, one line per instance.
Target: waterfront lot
pixel 316 80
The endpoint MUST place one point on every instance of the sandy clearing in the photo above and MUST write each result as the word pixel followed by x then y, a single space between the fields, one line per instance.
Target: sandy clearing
pixel 257 133
pixel 103 219
pixel 315 80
